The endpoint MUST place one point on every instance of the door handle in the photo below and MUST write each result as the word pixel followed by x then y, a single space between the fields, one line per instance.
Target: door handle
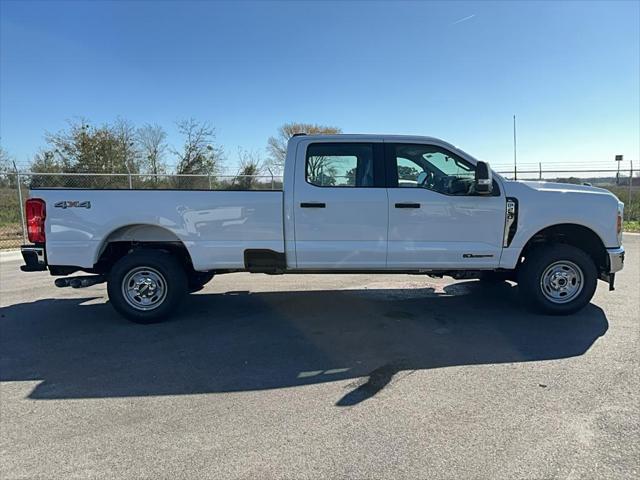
pixel 407 205
pixel 312 205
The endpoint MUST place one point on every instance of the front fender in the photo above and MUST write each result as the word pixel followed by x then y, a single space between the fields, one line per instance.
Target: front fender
pixel 545 205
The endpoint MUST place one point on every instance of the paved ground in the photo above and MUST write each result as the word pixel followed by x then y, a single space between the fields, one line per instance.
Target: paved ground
pixel 319 376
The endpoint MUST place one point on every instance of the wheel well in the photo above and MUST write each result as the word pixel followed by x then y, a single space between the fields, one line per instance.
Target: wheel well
pixel 115 250
pixel 132 237
pixel 575 235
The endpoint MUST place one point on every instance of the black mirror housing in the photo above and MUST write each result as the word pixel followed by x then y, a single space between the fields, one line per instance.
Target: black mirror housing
pixel 484 179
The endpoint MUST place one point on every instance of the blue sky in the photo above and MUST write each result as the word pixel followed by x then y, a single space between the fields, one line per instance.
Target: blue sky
pixel 456 70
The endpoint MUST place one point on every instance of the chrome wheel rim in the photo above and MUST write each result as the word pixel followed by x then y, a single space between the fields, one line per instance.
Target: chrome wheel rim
pixel 562 282
pixel 144 288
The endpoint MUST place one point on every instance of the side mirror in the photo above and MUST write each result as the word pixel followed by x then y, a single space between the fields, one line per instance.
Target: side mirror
pixel 484 179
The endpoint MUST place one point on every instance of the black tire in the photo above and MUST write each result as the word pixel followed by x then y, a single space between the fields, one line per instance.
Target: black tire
pixel 170 277
pixel 197 280
pixel 536 292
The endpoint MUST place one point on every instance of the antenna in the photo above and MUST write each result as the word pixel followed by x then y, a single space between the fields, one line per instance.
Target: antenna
pixel 515 158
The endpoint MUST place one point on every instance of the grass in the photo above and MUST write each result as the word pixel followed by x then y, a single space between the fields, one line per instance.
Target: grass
pixel 631 226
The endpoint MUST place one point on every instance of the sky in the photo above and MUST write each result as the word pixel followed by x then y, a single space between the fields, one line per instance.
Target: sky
pixel 569 71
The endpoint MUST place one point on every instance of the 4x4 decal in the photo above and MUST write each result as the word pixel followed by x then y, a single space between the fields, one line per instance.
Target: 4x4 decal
pixel 73 204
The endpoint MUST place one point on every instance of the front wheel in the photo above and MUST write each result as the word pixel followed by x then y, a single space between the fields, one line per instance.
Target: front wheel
pixel 557 279
pixel 145 286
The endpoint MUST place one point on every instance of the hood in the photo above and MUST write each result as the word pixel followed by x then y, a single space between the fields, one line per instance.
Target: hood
pixel 560 187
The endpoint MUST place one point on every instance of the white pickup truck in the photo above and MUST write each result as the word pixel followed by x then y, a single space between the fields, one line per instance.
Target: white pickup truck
pixel 350 203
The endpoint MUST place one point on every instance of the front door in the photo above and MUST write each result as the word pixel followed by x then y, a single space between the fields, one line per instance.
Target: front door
pixel 435 218
pixel 340 206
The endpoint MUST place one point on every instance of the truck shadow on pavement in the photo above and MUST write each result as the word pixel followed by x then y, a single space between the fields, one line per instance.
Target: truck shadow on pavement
pixel 241 341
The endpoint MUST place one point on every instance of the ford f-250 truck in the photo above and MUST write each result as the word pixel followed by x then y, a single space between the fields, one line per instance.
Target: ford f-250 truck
pixel 350 203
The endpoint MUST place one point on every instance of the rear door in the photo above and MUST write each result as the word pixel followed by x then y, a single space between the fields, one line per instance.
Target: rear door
pixel 340 205
pixel 435 218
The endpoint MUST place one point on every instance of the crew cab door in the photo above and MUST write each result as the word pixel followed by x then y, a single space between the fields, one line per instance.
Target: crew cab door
pixel 436 220
pixel 340 206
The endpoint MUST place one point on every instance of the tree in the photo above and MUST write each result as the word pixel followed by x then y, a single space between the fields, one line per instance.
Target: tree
pixel 321 171
pixel 124 133
pixel 6 166
pixel 199 154
pixel 407 173
pixel 277 146
pixel 45 162
pixel 152 145
pixel 251 165
pixel 83 148
pixel 5 161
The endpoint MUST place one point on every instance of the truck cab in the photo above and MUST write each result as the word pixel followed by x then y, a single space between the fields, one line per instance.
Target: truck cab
pixel 350 203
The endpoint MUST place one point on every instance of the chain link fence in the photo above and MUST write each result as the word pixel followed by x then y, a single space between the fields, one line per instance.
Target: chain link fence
pixel 14 188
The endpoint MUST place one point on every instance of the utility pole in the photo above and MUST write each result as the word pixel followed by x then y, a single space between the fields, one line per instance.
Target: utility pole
pixel 515 158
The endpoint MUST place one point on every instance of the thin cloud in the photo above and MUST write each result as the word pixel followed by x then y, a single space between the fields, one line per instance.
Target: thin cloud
pixel 463 19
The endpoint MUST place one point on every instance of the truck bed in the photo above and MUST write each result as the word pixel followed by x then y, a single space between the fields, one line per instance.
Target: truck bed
pixel 215 226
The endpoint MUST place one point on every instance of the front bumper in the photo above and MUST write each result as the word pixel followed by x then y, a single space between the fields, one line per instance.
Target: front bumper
pixel 616 263
pixel 34 258
pixel 616 259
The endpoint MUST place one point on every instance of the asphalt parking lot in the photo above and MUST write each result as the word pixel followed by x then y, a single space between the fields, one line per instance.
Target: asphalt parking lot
pixel 320 376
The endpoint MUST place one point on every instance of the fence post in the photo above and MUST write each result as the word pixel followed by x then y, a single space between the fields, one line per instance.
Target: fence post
pixel 22 224
pixel 270 173
pixel 128 175
pixel 539 170
pixel 209 176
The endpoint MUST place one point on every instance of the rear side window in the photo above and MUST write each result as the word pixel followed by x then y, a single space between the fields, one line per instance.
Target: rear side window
pixel 340 165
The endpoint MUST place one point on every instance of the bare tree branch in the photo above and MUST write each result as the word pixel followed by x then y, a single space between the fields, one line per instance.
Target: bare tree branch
pixel 277 145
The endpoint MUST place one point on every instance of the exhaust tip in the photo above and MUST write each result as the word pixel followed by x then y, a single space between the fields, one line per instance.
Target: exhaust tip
pixel 62 282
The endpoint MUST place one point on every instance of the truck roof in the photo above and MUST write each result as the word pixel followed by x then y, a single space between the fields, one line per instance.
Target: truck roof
pixel 391 138
pixel 368 136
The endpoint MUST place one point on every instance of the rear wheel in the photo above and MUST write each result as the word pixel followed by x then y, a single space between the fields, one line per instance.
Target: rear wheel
pixel 147 285
pixel 557 279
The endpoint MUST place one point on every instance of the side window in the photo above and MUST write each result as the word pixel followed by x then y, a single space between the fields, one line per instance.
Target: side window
pixel 408 172
pixel 433 168
pixel 449 164
pixel 339 165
